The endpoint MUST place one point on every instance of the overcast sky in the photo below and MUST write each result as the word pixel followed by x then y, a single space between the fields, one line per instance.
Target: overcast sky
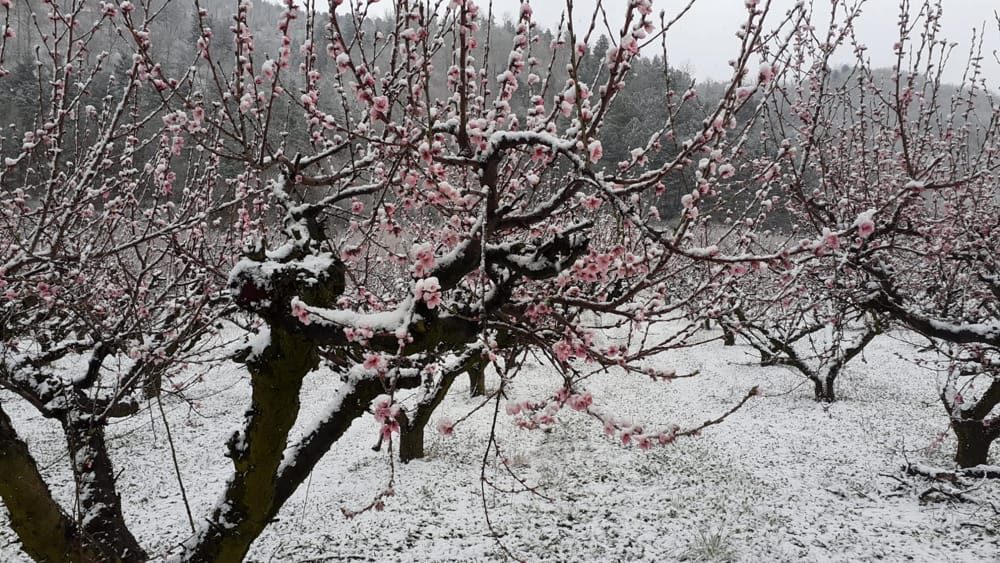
pixel 705 39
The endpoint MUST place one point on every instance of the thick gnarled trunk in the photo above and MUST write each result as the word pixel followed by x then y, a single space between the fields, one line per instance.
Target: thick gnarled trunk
pixel 45 531
pixel 97 493
pixel 257 451
pixel 974 428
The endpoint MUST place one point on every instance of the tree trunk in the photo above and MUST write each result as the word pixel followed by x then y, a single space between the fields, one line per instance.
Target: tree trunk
pixel 45 531
pixel 311 448
pixel 257 451
pixel 974 440
pixel 411 427
pixel 728 336
pixel 100 504
pixel 411 440
pixel 824 389
pixel 477 378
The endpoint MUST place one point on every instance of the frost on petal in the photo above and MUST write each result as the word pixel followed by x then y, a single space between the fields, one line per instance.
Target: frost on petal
pixel 595 150
pixel 865 223
pixel 428 290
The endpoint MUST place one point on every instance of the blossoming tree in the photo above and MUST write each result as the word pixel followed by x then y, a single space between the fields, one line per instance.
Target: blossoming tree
pixel 891 178
pixel 427 226
pixel 112 270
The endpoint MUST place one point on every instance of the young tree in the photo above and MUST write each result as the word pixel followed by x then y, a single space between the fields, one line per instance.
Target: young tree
pixel 803 328
pixel 420 235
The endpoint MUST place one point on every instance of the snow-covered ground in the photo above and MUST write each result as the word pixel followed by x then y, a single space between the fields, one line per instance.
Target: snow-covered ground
pixel 783 479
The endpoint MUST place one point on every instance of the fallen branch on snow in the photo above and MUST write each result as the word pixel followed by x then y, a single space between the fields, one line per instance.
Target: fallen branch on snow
pixel 953 476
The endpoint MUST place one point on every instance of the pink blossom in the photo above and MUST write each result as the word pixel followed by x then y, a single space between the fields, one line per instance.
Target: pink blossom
pixel 445 426
pixel 300 312
pixel 425 152
pixel 386 412
pixel 665 438
pixel 432 299
pixel 380 107
pixel 591 202
pixel 267 70
pixel 830 239
pixel 388 429
pixel 595 150
pixel 383 408
pixel 540 154
pixel 343 63
pixel 631 45
pixel 545 419
pixel 44 290
pixel 537 310
pixel 246 102
pixel 565 108
pixel 766 73
pixel 428 290
pixel 374 362
pixel 645 7
pixel 580 402
pixel 865 224
pixel 563 350
pixel 424 255
pixel 449 191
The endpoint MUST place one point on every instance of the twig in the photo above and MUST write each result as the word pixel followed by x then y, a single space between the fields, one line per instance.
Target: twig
pixel 177 467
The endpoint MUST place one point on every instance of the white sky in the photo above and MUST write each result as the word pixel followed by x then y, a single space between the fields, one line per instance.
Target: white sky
pixel 704 40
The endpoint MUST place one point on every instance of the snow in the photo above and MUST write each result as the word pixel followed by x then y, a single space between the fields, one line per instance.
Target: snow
pixel 499 138
pixel 783 479
pixel 262 272
pixel 290 455
pixel 387 321
pixel 983 330
pixel 93 512
pixel 259 342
